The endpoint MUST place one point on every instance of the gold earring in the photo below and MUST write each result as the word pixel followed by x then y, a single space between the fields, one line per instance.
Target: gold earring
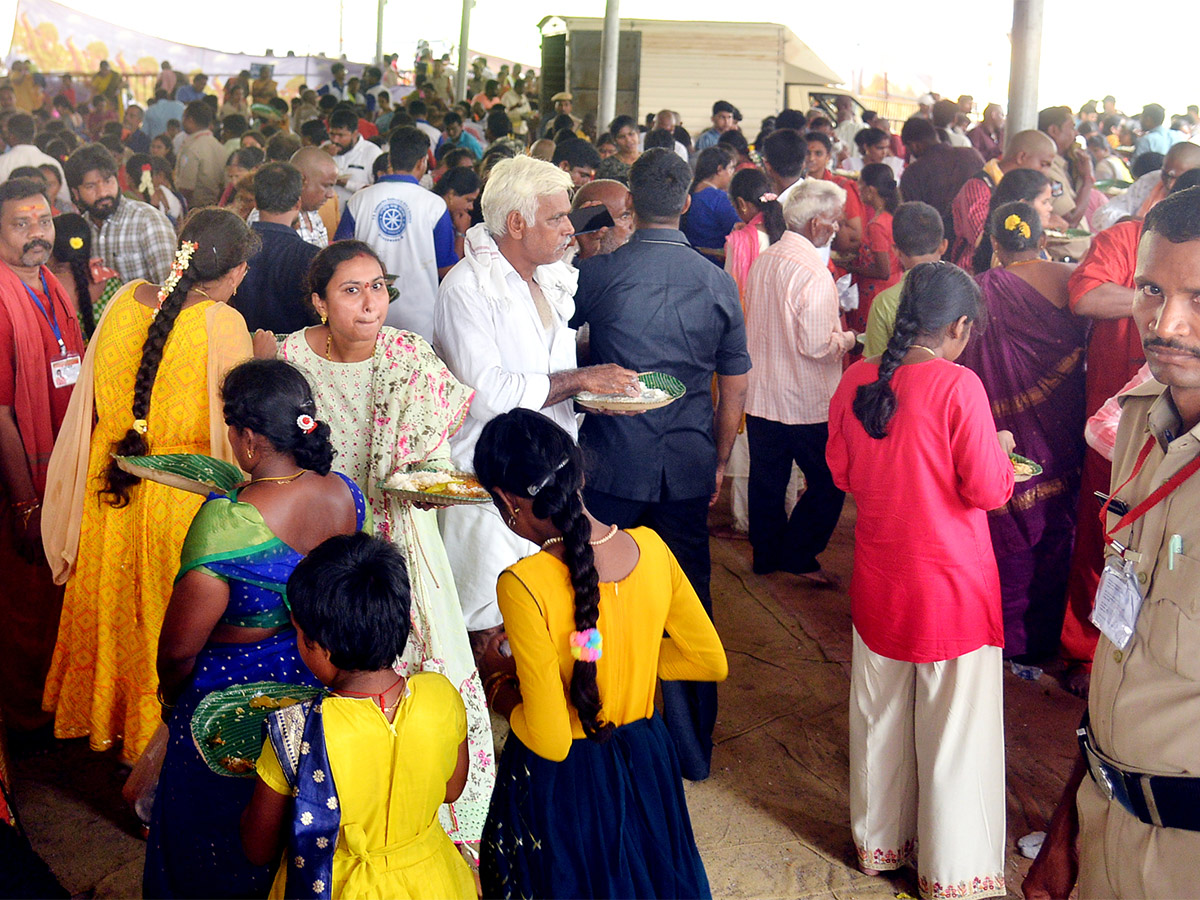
pixel 512 517
pixel 324 318
pixel 249 453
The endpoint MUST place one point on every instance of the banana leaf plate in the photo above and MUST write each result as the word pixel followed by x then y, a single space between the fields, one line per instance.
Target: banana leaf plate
pixel 619 403
pixel 193 472
pixel 1020 474
pixel 227 726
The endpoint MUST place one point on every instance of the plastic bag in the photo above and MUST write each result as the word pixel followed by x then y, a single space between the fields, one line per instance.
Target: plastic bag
pixel 143 780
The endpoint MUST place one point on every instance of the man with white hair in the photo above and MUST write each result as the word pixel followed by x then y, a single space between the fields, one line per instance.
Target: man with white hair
pixel 500 325
pixel 796 341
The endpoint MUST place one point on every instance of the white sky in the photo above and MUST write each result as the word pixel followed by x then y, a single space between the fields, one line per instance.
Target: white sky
pixel 937 43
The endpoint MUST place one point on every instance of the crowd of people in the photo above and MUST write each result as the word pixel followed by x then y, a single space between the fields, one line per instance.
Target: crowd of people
pixel 333 291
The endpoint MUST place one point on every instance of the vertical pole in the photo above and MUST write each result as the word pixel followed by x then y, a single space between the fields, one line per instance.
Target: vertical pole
pixel 609 43
pixel 1026 61
pixel 341 28
pixel 379 35
pixel 464 36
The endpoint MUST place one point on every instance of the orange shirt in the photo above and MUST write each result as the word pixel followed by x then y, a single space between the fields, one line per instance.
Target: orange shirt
pixel 1115 348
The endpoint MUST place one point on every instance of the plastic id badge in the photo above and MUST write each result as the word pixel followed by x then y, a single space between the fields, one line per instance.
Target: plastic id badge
pixel 1118 602
pixel 64 370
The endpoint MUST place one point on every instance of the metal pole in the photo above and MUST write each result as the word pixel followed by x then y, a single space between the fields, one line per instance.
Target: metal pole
pixel 379 35
pixel 464 36
pixel 341 28
pixel 1026 61
pixel 609 44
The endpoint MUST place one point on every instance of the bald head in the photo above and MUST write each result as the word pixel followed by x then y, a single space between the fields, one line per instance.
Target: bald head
pixel 617 199
pixel 1182 157
pixel 1030 149
pixel 320 175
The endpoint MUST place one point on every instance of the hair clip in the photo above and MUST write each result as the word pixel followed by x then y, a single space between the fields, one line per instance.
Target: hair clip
pixel 588 645
pixel 306 423
pixel 533 489
pixel 768 197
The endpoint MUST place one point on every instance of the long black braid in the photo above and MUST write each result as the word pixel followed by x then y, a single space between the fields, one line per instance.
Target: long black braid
pixel 526 454
pixel 935 295
pixel 223 242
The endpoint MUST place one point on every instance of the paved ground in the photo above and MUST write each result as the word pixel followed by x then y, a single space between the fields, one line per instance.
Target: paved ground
pixel 771 822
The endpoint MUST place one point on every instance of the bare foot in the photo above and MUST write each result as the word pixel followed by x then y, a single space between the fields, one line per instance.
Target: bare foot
pixel 871 872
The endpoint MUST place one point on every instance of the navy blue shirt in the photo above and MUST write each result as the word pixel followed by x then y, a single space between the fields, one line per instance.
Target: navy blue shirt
pixel 710 219
pixel 656 305
pixel 274 294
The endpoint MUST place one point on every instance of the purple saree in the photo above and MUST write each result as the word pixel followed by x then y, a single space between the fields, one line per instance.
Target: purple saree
pixel 1030 359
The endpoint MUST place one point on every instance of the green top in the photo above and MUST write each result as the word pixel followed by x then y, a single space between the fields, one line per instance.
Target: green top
pixel 881 320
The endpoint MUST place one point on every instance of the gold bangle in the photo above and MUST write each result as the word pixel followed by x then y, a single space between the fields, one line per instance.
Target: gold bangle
pixel 498 684
pixel 162 701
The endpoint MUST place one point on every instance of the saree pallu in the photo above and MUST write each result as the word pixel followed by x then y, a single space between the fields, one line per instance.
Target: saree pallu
pixel 195 846
pixel 1030 359
pixel 609 821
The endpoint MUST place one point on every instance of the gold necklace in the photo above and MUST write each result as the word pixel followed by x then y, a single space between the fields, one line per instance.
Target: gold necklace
pixel 1022 262
pixel 932 353
pixel 203 293
pixel 612 533
pixel 280 479
pixel 329 345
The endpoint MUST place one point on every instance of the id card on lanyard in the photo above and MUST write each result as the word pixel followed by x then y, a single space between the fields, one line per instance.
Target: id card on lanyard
pixel 1119 596
pixel 64 368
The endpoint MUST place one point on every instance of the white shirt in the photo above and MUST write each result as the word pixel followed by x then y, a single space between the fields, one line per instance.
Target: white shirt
pixel 29 155
pixel 680 150
pixel 487 330
pixel 355 162
pixel 396 219
pixel 1127 203
pixel 434 134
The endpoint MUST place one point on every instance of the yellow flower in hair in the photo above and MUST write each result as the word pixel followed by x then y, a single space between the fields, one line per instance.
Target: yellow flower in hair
pixel 76 243
pixel 1016 223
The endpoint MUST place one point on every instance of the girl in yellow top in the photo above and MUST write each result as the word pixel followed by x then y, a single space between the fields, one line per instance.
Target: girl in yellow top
pixel 352 782
pixel 589 800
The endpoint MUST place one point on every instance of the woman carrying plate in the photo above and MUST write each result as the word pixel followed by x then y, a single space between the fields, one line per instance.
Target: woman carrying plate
pixel 1030 360
pixel 228 622
pixel 393 406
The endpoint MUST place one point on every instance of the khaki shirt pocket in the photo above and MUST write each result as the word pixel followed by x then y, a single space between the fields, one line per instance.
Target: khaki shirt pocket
pixel 1169 621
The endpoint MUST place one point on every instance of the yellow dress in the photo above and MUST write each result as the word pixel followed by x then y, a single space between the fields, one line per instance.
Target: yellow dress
pixel 538 605
pixel 102 678
pixel 391 780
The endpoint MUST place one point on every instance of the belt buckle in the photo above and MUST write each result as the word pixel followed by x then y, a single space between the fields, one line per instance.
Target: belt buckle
pixel 1095 765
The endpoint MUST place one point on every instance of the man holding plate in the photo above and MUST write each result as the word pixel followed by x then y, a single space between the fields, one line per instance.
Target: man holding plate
pixel 656 305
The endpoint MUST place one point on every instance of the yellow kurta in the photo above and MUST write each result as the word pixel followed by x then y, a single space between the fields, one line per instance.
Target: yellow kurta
pixel 391 780
pixel 538 605
pixel 102 679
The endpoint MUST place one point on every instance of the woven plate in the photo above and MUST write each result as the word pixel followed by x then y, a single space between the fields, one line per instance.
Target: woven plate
pixel 1017 458
pixel 660 380
pixel 1060 237
pixel 437 498
pixel 193 472
pixel 227 726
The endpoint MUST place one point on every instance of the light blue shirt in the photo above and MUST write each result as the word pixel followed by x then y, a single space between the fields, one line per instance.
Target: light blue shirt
pixel 158 114
pixel 1157 140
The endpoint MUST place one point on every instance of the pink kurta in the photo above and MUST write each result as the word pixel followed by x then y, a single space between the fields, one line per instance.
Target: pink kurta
pixel 925 586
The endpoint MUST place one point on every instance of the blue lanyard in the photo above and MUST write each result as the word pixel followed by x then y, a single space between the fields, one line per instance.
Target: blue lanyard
pixel 50 317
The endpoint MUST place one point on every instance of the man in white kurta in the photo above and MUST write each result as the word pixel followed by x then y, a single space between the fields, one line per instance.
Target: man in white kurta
pixel 500 325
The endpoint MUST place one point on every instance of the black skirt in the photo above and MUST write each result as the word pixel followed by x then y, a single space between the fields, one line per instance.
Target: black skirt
pixel 608 821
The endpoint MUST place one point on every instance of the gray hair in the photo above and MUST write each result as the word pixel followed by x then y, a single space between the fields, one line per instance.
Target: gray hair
pixel 813 199
pixel 516 185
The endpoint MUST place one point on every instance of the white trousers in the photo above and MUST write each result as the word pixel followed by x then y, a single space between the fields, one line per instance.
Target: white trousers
pixel 927 769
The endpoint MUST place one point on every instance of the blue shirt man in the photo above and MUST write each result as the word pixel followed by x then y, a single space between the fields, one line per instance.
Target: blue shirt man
pixel 159 113
pixel 656 304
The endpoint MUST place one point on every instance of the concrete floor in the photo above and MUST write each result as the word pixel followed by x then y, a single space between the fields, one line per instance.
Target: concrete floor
pixel 771 822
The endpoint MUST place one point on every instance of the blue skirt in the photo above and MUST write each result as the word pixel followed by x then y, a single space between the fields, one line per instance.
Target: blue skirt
pixel 195 845
pixel 608 821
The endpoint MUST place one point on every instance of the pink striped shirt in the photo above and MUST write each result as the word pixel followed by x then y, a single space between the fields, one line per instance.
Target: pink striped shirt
pixel 793 334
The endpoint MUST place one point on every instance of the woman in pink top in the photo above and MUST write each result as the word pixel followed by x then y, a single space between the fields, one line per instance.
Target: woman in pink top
pixel 911 436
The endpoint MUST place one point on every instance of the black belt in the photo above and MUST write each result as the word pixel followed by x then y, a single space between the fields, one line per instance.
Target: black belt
pixel 1168 801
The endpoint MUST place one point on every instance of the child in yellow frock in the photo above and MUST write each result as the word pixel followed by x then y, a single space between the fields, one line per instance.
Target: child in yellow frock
pixel 351 782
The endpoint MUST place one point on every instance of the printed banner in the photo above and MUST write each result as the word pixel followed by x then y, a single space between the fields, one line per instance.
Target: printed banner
pixel 58 39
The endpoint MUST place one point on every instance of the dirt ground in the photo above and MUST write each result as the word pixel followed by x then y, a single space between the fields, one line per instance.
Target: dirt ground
pixel 771 821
